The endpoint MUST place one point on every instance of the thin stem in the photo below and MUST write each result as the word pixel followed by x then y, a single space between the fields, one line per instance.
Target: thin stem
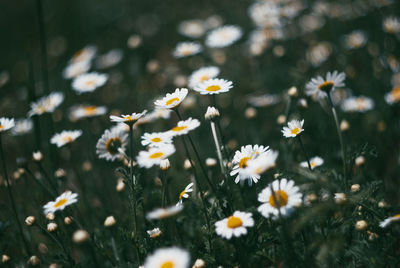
pixel 39 183
pixel 43 47
pixel 165 195
pixel 214 102
pixel 335 117
pixel 198 157
pixel 10 194
pixel 304 151
pixel 47 177
pixel 218 146
pixel 114 248
pixel 287 109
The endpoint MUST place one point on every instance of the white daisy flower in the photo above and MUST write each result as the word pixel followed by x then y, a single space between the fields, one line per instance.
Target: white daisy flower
pixel 84 55
pixel 355 39
pixel 6 123
pixel 88 82
pixel 386 222
pixel 22 126
pixel 240 160
pixel 294 128
pixel 192 28
pixel 163 213
pixel 223 36
pixel 357 104
pixel 46 104
pixel 64 200
pixel 185 49
pixel 75 69
pixel 213 86
pixel 391 25
pixel 156 139
pixel 85 111
pixel 315 161
pixel 154 233
pixel 183 127
pixel 255 167
pixel 319 87
pixel 264 100
pixel 65 137
pixel 284 197
pixel 172 257
pixel 110 144
pixel 234 225
pixel 172 100
pixel 202 74
pixel 129 118
pixel 154 155
pixel 184 193
pixel 393 96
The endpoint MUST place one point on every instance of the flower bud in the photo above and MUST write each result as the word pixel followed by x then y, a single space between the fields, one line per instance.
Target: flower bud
pixel 80 236
pixel 110 221
pixel 355 188
pixel 340 198
pixel 33 260
pixel 293 92
pixel 199 263
pixel 67 220
pixel 30 220
pixel 344 125
pixel 52 226
pixel 187 164
pixel 360 161
pixel 281 119
pixel 5 258
pixel 50 216
pixel 156 232
pixel 361 225
pixel 165 164
pixel 250 113
pixel 211 162
pixel 211 113
pixel 37 156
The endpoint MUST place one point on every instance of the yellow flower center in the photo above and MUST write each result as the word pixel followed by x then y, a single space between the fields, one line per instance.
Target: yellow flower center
pixel 156 155
pixel 295 131
pixel 243 162
pixel 67 139
pixel 326 86
pixel 90 110
pixel 156 139
pixel 60 202
pixel 182 193
pixel 234 222
pixel 167 264
pixel 1 126
pixel 396 94
pixel 397 216
pixel 177 129
pixel 213 88
pixel 281 198
pixel 90 83
pixel 204 78
pixel 113 145
pixel 313 165
pixel 169 102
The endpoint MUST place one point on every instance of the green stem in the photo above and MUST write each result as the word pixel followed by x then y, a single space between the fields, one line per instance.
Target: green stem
pixel 304 151
pixel 10 194
pixel 43 47
pixel 218 147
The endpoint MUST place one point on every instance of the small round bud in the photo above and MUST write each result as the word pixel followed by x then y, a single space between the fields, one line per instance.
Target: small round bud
pixel 50 216
pixel 60 173
pixel 311 198
pixel 211 162
pixel 187 164
pixel 382 204
pixel 250 113
pixel 344 125
pixel 360 161
pixel 30 220
pixel 53 265
pixel 80 236
pixel 120 185
pixel 211 113
pixel 37 156
pixel 199 263
pixel 361 225
pixel 87 166
pixel 340 198
pixel 110 221
pixel 355 188
pixel 156 232
pixel 5 258
pixel 281 119
pixel 165 164
pixel 381 126
pixel 67 220
pixel 293 92
pixel 134 41
pixel 34 260
pixel 52 226
pixel 372 236
pixel 302 103
pixel 152 66
pixel 43 248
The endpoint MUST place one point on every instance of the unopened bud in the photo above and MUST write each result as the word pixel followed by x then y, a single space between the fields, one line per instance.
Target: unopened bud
pixel 382 204
pixel 292 92
pixel 355 188
pixel 344 125
pixel 120 185
pixel 50 216
pixel 211 113
pixel 5 258
pixel 199 263
pixel 156 232
pixel 110 221
pixel 187 164
pixel 37 156
pixel 60 173
pixel 67 220
pixel 360 160
pixel 30 220
pixel 340 198
pixel 281 119
pixel 52 226
pixel 250 113
pixel 211 162
pixel 165 164
pixel 80 236
pixel 303 103
pixel 361 225
pixel 34 260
